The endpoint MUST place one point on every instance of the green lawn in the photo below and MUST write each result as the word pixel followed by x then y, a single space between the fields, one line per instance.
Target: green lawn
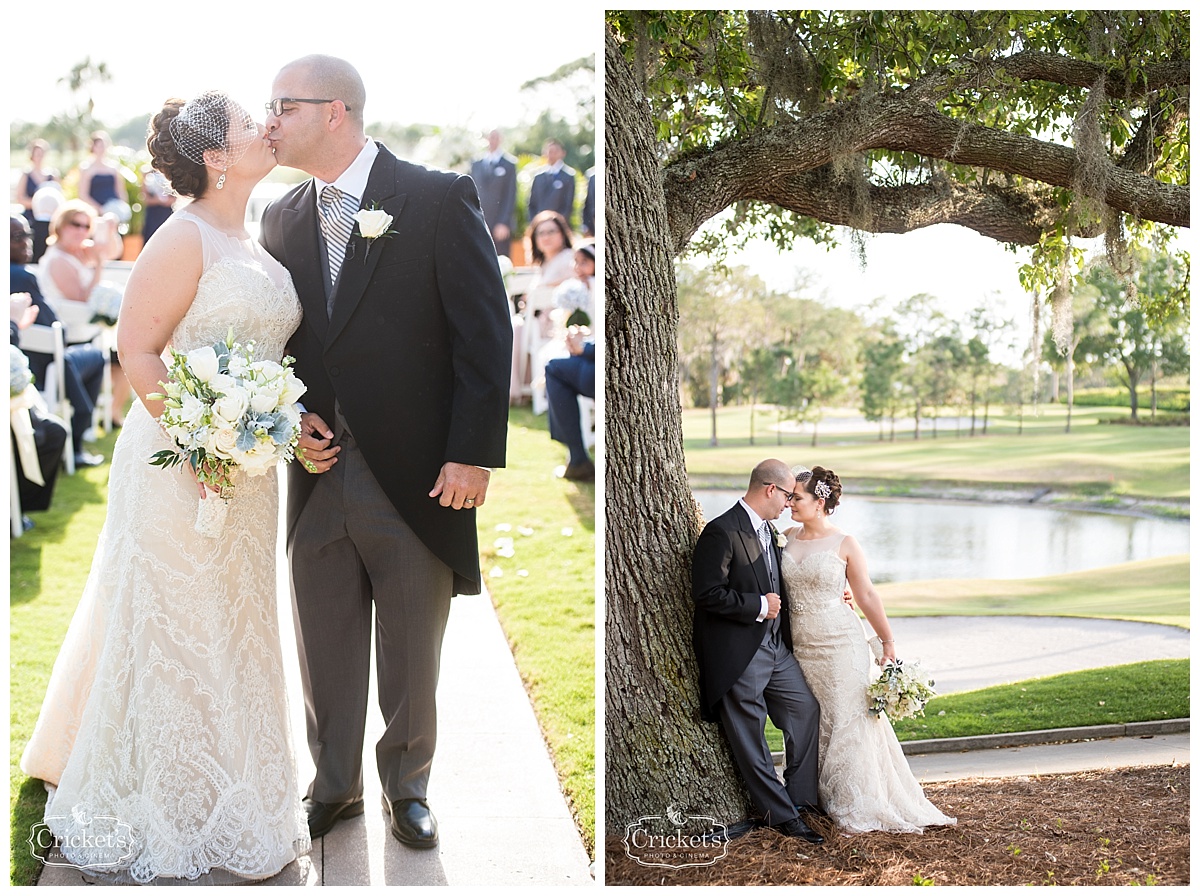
pixel 548 614
pixel 545 595
pixel 1138 692
pixel 1154 590
pixel 1094 459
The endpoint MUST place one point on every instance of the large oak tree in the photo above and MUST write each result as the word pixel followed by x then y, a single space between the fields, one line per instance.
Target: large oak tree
pixel 1029 127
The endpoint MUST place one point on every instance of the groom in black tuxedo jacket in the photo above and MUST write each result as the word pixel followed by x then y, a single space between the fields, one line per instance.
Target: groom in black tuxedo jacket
pixel 743 643
pixel 405 348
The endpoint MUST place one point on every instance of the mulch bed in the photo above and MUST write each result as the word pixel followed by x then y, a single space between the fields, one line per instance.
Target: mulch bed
pixel 1110 827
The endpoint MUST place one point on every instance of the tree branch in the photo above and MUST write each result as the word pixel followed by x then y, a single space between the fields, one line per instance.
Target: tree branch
pixel 705 183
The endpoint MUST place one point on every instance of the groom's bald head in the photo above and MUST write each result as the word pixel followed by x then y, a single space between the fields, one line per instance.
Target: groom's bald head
pixel 327 77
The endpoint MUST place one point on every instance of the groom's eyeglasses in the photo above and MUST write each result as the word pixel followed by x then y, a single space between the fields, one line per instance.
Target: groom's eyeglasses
pixel 791 496
pixel 275 107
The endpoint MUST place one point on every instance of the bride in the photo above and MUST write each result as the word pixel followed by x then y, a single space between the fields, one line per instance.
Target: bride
pixel 864 780
pixel 164 737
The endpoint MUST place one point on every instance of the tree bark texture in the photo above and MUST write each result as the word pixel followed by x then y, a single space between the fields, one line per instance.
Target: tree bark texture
pixel 658 752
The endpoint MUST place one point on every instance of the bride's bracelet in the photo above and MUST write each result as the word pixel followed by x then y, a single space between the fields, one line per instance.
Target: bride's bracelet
pixel 888 641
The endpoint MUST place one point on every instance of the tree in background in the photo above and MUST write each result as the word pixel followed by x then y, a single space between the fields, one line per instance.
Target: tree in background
pixel 882 386
pixel 1030 127
pixel 725 314
pixel 1137 348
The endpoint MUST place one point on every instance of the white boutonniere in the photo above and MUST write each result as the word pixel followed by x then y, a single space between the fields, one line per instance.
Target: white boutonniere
pixel 780 538
pixel 373 224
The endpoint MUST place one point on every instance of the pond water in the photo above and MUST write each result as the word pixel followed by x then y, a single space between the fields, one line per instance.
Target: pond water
pixel 909 539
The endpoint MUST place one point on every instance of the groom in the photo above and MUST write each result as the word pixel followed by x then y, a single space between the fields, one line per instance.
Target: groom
pixel 405 348
pixel 743 643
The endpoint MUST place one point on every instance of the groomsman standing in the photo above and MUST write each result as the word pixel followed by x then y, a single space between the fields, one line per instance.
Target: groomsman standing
pixel 554 186
pixel 495 176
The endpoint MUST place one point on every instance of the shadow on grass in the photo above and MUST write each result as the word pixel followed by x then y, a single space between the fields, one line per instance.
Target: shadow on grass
pixel 27 810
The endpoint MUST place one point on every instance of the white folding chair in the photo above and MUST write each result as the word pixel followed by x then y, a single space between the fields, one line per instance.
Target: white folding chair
pixel 587 420
pixel 49 341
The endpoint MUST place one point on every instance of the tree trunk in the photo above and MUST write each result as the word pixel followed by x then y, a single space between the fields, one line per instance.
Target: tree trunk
pixel 1133 381
pixel 1071 382
pixel 658 753
pixel 752 401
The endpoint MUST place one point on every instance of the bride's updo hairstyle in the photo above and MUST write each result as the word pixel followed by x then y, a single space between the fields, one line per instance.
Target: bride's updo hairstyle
pixel 825 484
pixel 186 177
pixel 210 128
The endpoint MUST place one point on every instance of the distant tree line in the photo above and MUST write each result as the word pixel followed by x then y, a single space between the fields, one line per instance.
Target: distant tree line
pixel 741 343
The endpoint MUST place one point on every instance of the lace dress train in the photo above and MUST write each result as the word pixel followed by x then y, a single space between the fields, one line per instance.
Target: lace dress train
pixel 864 782
pixel 165 729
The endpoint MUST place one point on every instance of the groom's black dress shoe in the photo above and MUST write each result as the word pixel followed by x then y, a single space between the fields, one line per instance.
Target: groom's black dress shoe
pixel 413 823
pixel 323 816
pixel 797 828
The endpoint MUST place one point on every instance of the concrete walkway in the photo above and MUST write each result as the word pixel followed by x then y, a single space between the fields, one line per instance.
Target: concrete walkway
pixel 1047 759
pixel 964 653
pixel 501 815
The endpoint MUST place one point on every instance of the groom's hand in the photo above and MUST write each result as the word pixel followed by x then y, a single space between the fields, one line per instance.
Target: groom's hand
pixel 461 486
pixel 313 450
pixel 772 605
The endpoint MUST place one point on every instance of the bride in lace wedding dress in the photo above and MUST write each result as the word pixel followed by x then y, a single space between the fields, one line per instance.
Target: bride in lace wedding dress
pixel 864 780
pixel 164 737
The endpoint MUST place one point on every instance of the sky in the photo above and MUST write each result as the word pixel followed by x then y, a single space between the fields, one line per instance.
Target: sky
pixel 426 64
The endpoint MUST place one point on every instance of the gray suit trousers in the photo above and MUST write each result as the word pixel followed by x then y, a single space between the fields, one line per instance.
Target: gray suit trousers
pixel 351 553
pixel 773 685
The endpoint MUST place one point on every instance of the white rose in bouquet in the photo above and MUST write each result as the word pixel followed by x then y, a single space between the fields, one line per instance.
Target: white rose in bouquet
pixel 203 363
pixel 230 406
pixel 222 442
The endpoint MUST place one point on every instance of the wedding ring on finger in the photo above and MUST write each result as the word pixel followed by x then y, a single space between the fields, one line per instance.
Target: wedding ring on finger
pixel 470 502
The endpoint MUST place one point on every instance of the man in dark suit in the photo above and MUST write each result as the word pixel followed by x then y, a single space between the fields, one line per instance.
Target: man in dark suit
pixel 588 215
pixel 554 186
pixel 495 176
pixel 405 349
pixel 743 644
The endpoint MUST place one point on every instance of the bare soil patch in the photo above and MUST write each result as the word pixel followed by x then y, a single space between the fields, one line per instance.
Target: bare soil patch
pixel 1109 827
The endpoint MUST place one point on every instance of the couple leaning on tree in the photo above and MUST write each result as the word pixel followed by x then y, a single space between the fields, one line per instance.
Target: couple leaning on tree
pixel 164 736
pixel 775 638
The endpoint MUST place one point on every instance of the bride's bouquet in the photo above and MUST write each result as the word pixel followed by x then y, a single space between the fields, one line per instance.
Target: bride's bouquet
pixel 901 691
pixel 226 412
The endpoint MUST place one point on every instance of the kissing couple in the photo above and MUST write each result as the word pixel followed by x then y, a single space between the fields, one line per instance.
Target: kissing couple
pixel 164 736
pixel 775 638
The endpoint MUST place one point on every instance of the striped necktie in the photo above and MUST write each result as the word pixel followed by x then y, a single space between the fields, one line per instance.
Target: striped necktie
pixel 337 223
pixel 767 542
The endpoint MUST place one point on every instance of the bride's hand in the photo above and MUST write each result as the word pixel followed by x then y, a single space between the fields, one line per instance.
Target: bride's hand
pixel 889 652
pixel 203 488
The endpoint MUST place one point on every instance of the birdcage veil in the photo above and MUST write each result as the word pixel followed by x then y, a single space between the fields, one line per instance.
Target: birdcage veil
pixel 213 122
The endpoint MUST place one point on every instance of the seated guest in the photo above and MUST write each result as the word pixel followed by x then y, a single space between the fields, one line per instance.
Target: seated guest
pixel 70 273
pixel 48 436
pixel 567 379
pixel 78 246
pixel 84 363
